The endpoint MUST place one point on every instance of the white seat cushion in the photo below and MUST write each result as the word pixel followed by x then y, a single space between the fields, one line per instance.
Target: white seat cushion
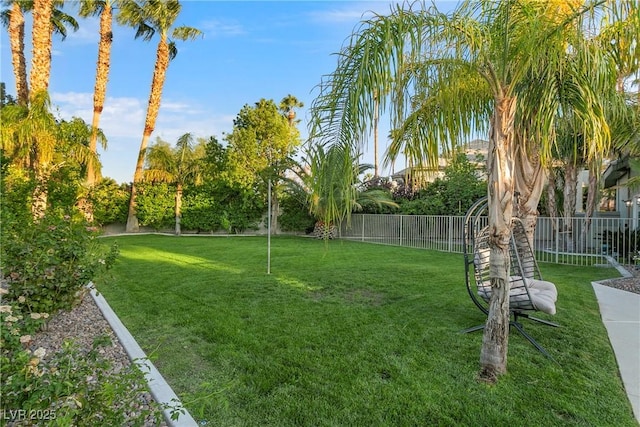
pixel 543 294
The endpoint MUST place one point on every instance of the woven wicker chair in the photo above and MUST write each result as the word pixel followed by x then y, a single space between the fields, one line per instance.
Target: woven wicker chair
pixel 528 293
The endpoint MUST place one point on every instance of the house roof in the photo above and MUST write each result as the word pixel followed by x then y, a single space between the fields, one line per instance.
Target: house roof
pixel 616 170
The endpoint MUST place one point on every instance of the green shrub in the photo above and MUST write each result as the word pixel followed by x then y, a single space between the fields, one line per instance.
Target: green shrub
pixel 16 189
pixel 110 202
pixel 199 213
pixel 49 262
pixel 295 215
pixel 156 205
pixel 64 188
pixel 239 208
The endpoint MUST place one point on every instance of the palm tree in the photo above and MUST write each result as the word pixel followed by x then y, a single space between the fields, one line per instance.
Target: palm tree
pixel 288 105
pixel 46 20
pixel 30 134
pixel 179 166
pixel 446 77
pixel 103 8
pixel 13 19
pixel 30 140
pixel 330 199
pixel 151 17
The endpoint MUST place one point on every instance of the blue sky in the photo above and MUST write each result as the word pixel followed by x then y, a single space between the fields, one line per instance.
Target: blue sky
pixel 250 50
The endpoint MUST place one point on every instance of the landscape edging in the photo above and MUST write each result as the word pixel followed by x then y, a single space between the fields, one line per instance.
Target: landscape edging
pixel 160 389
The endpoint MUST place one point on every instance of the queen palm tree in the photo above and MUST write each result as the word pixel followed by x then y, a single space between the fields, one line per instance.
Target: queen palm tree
pixel 31 132
pixel 149 18
pixel 447 77
pixel 317 182
pixel 31 140
pixel 179 166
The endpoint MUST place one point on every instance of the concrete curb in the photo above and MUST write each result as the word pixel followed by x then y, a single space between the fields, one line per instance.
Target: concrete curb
pixel 160 389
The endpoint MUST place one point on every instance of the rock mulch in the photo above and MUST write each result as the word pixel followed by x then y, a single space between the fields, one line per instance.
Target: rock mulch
pixel 629 284
pixel 83 324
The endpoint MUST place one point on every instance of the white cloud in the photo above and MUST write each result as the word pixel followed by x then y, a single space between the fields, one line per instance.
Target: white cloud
pixel 87 34
pixel 122 122
pixel 216 28
pixel 351 13
pixel 121 117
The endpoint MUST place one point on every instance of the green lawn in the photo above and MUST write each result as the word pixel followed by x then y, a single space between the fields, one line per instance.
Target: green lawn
pixel 353 334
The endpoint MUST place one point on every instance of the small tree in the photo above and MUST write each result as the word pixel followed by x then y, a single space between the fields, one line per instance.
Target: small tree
pixel 260 147
pixel 179 166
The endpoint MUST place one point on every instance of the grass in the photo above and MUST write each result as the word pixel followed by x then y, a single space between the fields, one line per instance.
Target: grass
pixel 353 334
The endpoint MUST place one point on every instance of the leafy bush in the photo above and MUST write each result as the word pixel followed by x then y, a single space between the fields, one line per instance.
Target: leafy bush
pixel 452 195
pixel 64 187
pixel 50 261
pixel 239 208
pixel 16 192
pixel 156 205
pixel 295 215
pixel 70 387
pixel 199 212
pixel 110 202
pixel 423 206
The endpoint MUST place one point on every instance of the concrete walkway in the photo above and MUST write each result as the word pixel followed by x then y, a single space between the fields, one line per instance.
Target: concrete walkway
pixel 620 311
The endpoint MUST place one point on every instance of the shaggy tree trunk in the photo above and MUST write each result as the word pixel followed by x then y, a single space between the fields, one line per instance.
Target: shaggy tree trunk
pixel 592 193
pixel 529 183
pixel 100 89
pixel 500 165
pixel 40 195
pixel 153 107
pixel 41 34
pixel 569 205
pixel 552 201
pixel 16 39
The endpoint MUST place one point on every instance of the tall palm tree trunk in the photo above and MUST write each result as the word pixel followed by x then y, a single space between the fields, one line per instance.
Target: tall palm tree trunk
pixel 16 38
pixel 41 59
pixel 592 193
pixel 159 75
pixel 529 185
pixel 100 90
pixel 552 201
pixel 569 204
pixel 39 82
pixel 178 208
pixel 493 356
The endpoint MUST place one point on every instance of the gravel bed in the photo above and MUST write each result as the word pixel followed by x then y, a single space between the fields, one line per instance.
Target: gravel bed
pixel 83 324
pixel 629 284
